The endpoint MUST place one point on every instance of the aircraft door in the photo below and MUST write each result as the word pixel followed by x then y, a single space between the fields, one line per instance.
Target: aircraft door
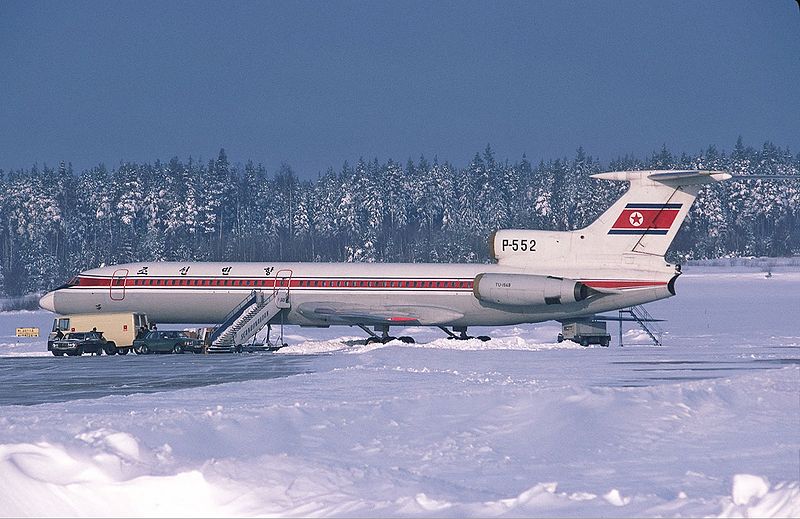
pixel 283 283
pixel 117 287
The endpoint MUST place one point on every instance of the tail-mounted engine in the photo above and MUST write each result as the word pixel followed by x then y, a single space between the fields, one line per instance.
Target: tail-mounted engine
pixel 528 290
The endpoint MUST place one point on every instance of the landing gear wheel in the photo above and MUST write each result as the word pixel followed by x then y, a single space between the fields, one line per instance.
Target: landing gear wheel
pixel 372 340
pixel 484 338
pixel 406 339
pixel 462 334
pixel 388 338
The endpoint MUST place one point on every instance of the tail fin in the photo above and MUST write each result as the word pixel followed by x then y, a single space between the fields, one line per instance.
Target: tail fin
pixel 644 220
pixel 647 217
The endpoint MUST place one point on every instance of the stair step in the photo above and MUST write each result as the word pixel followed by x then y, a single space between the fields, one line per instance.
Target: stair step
pixel 251 320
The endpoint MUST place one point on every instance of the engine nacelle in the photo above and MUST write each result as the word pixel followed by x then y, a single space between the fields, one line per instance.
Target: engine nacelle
pixel 528 289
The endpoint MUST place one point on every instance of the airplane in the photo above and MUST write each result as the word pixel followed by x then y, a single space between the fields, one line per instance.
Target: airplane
pixel 615 262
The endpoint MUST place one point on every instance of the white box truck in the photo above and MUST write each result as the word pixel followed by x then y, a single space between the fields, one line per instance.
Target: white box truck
pixel 585 333
pixel 120 329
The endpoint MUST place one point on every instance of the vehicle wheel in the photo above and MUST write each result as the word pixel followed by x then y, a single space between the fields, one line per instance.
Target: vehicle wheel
pixel 123 351
pixel 605 342
pixel 142 349
pixel 238 348
pixel 99 351
pixel 57 353
pixel 484 338
pixel 560 337
pixel 406 339
pixel 584 342
pixel 111 349
pixel 79 351
pixel 177 349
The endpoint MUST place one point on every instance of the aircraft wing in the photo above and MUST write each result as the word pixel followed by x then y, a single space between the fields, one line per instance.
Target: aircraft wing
pixel 389 314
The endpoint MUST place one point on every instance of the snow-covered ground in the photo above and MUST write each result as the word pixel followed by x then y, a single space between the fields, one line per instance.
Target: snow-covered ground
pixel 708 425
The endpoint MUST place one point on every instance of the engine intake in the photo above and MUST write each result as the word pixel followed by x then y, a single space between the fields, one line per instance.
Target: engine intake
pixel 528 289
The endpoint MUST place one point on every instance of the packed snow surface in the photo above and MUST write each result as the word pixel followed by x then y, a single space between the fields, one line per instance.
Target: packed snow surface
pixel 707 425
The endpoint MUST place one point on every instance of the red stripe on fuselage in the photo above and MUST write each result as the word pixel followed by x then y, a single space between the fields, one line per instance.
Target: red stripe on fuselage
pixel 323 283
pixel 302 283
pixel 618 284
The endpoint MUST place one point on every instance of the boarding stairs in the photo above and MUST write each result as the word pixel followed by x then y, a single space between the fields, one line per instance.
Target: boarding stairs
pixel 247 319
pixel 641 316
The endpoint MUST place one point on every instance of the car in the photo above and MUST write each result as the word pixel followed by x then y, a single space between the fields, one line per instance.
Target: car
pixel 168 341
pixel 76 344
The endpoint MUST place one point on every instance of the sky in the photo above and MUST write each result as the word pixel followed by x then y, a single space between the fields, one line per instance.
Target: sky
pixel 313 84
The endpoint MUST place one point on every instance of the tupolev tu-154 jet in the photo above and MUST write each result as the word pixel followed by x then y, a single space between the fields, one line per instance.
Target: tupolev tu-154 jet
pixel 614 263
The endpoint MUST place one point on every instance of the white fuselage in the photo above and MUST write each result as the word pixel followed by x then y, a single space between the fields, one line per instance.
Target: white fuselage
pixel 340 293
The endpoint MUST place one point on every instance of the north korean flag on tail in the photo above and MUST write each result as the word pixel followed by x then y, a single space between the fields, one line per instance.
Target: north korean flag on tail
pixel 646 219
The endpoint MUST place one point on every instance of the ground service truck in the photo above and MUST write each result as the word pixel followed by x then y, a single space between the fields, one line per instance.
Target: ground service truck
pixel 118 328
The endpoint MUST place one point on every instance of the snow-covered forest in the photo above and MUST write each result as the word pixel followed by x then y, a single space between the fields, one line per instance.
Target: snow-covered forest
pixel 56 222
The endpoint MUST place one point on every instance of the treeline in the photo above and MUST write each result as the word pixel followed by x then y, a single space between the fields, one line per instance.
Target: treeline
pixel 54 222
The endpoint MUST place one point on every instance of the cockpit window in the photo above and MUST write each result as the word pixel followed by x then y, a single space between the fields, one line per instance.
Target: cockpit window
pixel 74 281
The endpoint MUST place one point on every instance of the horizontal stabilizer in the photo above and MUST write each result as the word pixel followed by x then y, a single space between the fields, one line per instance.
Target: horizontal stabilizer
pixel 683 177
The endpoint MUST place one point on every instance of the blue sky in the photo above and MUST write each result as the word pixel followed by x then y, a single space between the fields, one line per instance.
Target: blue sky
pixel 316 83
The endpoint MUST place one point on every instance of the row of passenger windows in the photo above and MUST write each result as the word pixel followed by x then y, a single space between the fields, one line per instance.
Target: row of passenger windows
pixel 298 283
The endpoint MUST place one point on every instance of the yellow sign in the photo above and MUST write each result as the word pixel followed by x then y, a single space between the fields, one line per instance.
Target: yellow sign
pixel 27 332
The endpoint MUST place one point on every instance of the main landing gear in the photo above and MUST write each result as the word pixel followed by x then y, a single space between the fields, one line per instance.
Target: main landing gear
pixel 462 336
pixel 384 337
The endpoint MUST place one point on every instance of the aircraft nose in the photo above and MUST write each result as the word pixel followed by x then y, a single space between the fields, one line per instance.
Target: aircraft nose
pixel 48 301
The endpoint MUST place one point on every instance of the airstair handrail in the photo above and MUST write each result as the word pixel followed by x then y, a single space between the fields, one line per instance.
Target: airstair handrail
pixel 233 315
pixel 643 316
